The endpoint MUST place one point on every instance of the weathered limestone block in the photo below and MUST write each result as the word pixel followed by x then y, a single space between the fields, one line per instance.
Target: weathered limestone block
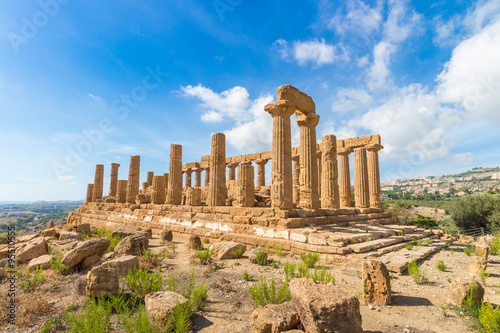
pixel 98 182
pixel 75 256
pixel 81 285
pixel 124 264
pixel 477 264
pixel 166 236
pixel 127 230
pixel 132 245
pixel 52 232
pixel 174 187
pixel 90 260
pixel 161 304
pixel 68 235
pixel 361 188
pixel 90 193
pixel 482 251
pixel 329 173
pixel 133 178
pixel 274 318
pixel 325 308
pixel 121 192
pixel 102 281
pixel 194 243
pixel 462 287
pixel 217 185
pixel 227 250
pixel 142 198
pixel 50 225
pixel 42 262
pixel 34 249
pixel 296 98
pixel 159 186
pixel 83 228
pixel 376 282
pixel 193 196
pixel 309 197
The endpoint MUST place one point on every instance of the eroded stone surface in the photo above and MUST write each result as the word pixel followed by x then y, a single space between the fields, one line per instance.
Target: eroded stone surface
pixel 274 318
pixel 376 282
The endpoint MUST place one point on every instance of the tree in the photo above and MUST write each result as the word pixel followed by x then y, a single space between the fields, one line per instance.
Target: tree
pixel 422 221
pixel 476 211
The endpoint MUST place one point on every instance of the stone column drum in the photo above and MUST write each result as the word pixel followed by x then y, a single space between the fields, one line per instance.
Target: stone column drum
pixel 197 177
pixel 261 172
pixel 90 192
pixel 149 178
pixel 344 177
pixel 121 191
pixel 187 181
pixel 113 184
pixel 231 174
pixel 98 182
pixel 374 175
pixel 329 173
pixel 174 188
pixel 281 164
pixel 246 181
pixel 308 161
pixel 133 178
pixel 361 190
pixel 320 170
pixel 217 186
pixel 295 178
pixel 158 195
pixel 207 176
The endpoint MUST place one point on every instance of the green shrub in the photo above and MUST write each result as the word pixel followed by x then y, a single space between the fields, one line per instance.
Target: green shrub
pixel 206 240
pixel 114 242
pixel 246 276
pixel 204 256
pixel 483 276
pixel 409 247
pixel 495 244
pixel 278 250
pixel 310 259
pixel 423 222
pixel 31 282
pixel 416 272
pixel 475 211
pixel 141 283
pixel 261 256
pixel 239 253
pixel 441 266
pixel 468 251
pixel 289 268
pixel 469 306
pixel 56 265
pixel 322 275
pixel 153 259
pixel 489 318
pixel 264 292
pixel 428 241
pixel 140 322
pixel 93 318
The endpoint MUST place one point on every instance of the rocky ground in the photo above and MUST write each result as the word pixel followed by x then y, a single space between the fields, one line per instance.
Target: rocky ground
pixel 414 308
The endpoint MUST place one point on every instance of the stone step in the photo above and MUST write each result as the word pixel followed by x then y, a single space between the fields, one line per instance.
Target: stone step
pixel 398 261
pixel 388 241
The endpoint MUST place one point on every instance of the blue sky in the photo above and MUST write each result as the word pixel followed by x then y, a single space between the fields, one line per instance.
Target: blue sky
pixel 91 82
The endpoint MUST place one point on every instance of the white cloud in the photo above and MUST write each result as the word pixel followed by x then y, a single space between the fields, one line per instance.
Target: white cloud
pixel 472 76
pixel 378 76
pixel 350 99
pixel 462 158
pixel 446 32
pixel 314 51
pixel 401 21
pixel 359 17
pixel 341 132
pixel 483 14
pixel 282 47
pixel 212 117
pixel 67 179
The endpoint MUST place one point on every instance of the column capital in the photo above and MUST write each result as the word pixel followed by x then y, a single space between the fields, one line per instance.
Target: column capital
pixel 205 168
pixel 187 170
pixel 295 158
pixel 116 165
pixel 197 169
pixel 374 147
pixel 261 161
pixel 232 165
pixel 279 108
pixel 309 120
pixel 246 163
pixel 344 151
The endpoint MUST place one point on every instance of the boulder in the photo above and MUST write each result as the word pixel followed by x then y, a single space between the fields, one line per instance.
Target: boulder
pixel 34 249
pixel 325 308
pixel 143 198
pixel 477 264
pixel 80 285
pixel 194 243
pixel 462 287
pixel 161 303
pixel 376 282
pixel 74 257
pixel 3 274
pixel 132 245
pixel 274 318
pixel 83 228
pixel 49 233
pixel 227 250
pixel 26 238
pixel 128 230
pixel 51 224
pixel 124 264
pixel 166 236
pixel 42 261
pixel 90 260
pixel 63 245
pixel 102 281
pixel 11 262
pixel 482 251
pixel 68 235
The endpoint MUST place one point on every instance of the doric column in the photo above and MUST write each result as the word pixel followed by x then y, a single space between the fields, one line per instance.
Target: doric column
pixel 90 192
pixel 158 195
pixel 174 188
pixel 231 174
pixel 295 178
pixel 133 178
pixel 261 171
pixel 165 175
pixel 149 178
pixel 374 175
pixel 344 177
pixel 308 161
pixel 113 184
pixel 361 189
pixel 281 164
pixel 145 186
pixel 329 173
pixel 98 182
pixel 121 191
pixel 320 169
pixel 187 181
pixel 246 181
pixel 197 177
pixel 217 186
pixel 207 176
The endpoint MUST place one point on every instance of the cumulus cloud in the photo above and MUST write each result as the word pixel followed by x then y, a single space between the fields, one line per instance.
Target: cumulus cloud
pixel 341 132
pixel 379 74
pixel 401 21
pixel 315 51
pixel 358 16
pixel 350 99
pixel 462 158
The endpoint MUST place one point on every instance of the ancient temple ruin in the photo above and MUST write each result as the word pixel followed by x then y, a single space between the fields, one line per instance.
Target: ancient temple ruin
pixel 306 207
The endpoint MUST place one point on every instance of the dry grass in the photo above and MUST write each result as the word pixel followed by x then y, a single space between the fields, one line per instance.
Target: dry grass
pixel 32 308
